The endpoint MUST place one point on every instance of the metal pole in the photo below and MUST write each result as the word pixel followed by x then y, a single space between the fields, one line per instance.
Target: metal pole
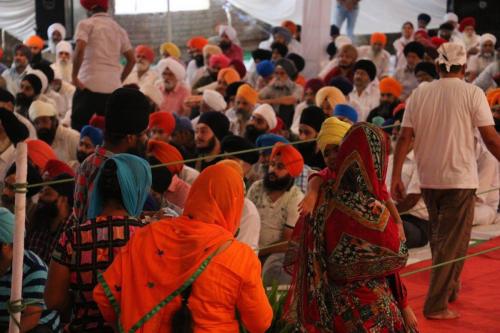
pixel 169 22
pixel 19 227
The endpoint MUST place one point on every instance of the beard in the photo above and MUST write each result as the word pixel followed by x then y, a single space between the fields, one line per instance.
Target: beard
pixel 169 86
pixel 242 114
pixel 139 150
pixel 23 101
pixel 142 66
pixel 205 150
pixel 44 214
pixel 198 59
pixel 252 133
pixel 81 156
pixel 47 134
pixel 224 45
pixel 274 183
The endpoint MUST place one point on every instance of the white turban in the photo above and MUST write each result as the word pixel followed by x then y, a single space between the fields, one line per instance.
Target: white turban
pixel 228 30
pixel 41 109
pixel 488 37
pixel 450 17
pixel 214 100
pixel 56 27
pixel 43 78
pixel 64 46
pixel 174 66
pixel 267 112
pixel 153 93
pixel 341 41
pixel 452 54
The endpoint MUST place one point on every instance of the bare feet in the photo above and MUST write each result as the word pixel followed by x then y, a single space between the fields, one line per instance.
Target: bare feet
pixel 443 315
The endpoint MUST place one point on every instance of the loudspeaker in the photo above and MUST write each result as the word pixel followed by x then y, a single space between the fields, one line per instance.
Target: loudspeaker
pixel 48 12
pixel 486 13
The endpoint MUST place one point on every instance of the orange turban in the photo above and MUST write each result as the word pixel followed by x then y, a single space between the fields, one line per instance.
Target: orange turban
pixel 291 158
pixel 234 165
pixel 389 85
pixel 493 97
pixel 166 153
pixel 292 27
pixel 39 153
pixel 34 41
pixel 164 120
pixel 378 37
pixel 248 93
pixel 197 42
pixel 228 75
pixel 146 52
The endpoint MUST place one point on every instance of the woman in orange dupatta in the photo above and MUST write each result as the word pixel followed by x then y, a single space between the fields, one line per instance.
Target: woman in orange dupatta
pixel 348 254
pixel 190 266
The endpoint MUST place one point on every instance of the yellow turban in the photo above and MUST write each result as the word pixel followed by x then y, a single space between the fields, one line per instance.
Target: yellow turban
pixel 248 93
pixel 228 75
pixel 332 94
pixel 171 49
pixel 211 49
pixel 332 132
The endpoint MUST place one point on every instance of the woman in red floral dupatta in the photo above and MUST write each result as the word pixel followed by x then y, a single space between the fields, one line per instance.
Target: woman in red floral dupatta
pixel 347 255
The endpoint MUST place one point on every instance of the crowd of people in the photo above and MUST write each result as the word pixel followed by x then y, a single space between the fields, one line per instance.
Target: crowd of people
pixel 173 192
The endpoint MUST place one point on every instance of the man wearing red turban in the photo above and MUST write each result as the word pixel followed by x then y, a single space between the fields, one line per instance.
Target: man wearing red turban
pixel 142 74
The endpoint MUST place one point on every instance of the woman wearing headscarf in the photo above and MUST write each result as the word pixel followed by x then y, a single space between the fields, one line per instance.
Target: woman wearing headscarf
pixel 122 185
pixel 189 273
pixel 348 254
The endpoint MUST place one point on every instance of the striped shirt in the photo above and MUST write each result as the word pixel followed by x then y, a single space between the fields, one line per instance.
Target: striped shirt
pixel 34 278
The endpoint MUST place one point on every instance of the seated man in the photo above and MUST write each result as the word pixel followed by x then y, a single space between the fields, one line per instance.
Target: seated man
pixel 211 129
pixel 262 121
pixel 173 87
pixel 244 104
pixel 390 91
pixel 161 126
pixel 376 53
pixel 143 74
pixel 414 53
pixel 35 318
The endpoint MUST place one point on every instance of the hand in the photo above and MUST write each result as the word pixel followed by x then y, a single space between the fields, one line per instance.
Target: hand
pixel 410 319
pixel 401 231
pixel 397 189
pixel 77 83
pixel 306 206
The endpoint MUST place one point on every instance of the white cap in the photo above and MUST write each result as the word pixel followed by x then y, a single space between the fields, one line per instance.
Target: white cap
pixel 214 100
pixel 43 78
pixel 228 30
pixel 174 66
pixel 64 46
pixel 153 93
pixel 341 41
pixel 488 37
pixel 41 109
pixel 451 54
pixel 450 17
pixel 56 27
pixel 267 112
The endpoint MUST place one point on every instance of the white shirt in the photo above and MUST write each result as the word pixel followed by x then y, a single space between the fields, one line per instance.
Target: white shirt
pixel 67 91
pixel 7 158
pixel 193 72
pixel 478 63
pixel 148 78
pixel 13 79
pixel 488 173
pixel 296 117
pixel 66 143
pixel 367 101
pixel 249 232
pixel 399 46
pixel 106 42
pixel 382 60
pixel 443 115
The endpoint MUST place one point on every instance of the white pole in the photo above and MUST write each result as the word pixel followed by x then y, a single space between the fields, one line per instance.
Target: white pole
pixel 20 213
pixel 169 22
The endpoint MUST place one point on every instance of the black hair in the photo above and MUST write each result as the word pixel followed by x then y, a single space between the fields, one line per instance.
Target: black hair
pixel 182 319
pixel 454 69
pixel 331 49
pixel 114 139
pixel 447 26
pixel 6 96
pixel 108 184
pixel 334 30
pixel 161 176
pixel 281 48
pixel 408 22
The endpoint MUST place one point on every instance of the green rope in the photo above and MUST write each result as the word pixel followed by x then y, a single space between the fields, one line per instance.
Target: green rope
pixel 18 306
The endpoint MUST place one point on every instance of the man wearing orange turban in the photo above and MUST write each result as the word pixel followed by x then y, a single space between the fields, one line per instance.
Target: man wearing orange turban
pixel 36 44
pixel 142 74
pixel 195 67
pixel 244 104
pixel 376 53
pixel 161 125
pixel 390 92
pixel 225 77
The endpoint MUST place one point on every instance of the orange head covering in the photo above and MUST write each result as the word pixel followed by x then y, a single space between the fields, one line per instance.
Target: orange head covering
pixel 235 165
pixel 164 120
pixel 248 93
pixel 493 97
pixel 389 85
pixel 39 153
pixel 292 27
pixel 228 75
pixel 34 41
pixel 166 153
pixel 197 42
pixel 291 158
pixel 378 37
pixel 146 52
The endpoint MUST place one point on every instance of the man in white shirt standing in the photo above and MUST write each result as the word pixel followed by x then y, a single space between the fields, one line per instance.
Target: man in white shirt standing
pixel 366 92
pixel 441 117
pixel 100 42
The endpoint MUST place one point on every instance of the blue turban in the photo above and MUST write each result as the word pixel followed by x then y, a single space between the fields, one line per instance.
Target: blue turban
pixel 346 111
pixel 182 123
pixel 268 140
pixel 6 226
pixel 94 133
pixel 134 177
pixel 284 32
pixel 265 68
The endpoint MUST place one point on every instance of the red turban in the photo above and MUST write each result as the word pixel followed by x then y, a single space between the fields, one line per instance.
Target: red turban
pixel 389 85
pixel 90 4
pixel 400 107
pixel 438 41
pixel 219 60
pixel 467 21
pixel 314 84
pixel 164 120
pixel 290 157
pixel 239 66
pixel 40 153
pixel 197 42
pixel 292 27
pixel 166 153
pixel 146 52
pixel 55 168
pixel 378 37
pixel 98 122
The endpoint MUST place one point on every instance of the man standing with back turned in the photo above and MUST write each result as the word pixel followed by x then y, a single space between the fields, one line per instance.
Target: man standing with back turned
pixel 441 118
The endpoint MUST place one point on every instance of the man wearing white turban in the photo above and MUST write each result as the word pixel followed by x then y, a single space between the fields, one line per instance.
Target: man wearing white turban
pixel 211 101
pixel 478 62
pixel 55 34
pixel 63 63
pixel 173 87
pixel 228 43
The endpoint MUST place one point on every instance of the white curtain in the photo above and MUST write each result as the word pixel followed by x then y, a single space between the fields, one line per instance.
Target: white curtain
pixel 18 17
pixel 315 34
pixel 374 15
